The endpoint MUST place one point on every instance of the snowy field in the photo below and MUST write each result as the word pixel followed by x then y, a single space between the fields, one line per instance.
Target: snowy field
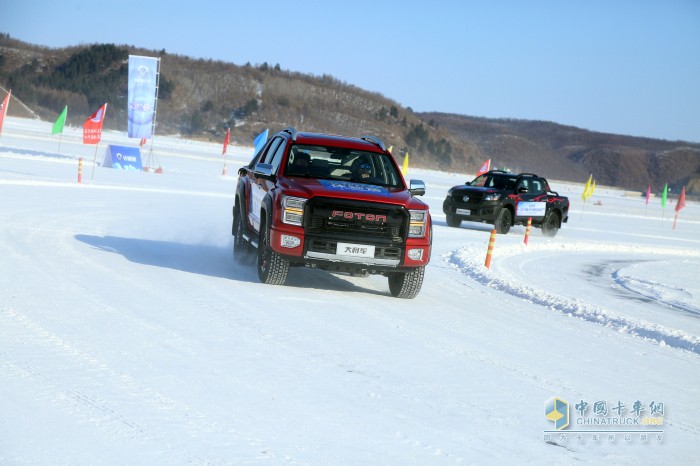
pixel 129 336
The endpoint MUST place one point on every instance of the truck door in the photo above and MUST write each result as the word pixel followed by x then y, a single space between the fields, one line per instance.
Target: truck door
pixel 260 186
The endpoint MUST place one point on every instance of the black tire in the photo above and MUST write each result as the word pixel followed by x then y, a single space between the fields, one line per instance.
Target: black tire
pixel 406 285
pixel 272 268
pixel 551 224
pixel 503 221
pixel 453 221
pixel 242 249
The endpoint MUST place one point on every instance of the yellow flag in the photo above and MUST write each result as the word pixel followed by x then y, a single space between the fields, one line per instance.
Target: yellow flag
pixel 587 188
pixel 404 169
pixel 592 189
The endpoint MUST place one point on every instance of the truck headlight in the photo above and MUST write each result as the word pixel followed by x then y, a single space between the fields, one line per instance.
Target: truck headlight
pixel 416 229
pixel 492 197
pixel 293 210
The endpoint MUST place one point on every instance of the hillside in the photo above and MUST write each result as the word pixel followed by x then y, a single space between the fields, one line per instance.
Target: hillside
pixel 569 153
pixel 201 98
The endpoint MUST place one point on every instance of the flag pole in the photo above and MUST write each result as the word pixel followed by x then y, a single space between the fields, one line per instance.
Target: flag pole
pixel 151 156
pixel 94 160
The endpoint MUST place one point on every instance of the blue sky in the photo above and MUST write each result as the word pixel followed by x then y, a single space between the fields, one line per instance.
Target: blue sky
pixel 617 66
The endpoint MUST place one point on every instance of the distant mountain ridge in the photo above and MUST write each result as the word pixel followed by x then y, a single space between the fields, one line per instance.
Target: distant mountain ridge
pixel 570 153
pixel 201 98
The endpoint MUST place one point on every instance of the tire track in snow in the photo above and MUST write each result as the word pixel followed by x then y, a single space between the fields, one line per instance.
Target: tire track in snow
pixel 464 260
pixel 655 291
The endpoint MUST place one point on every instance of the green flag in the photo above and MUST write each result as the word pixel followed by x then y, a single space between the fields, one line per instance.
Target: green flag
pixel 663 195
pixel 58 126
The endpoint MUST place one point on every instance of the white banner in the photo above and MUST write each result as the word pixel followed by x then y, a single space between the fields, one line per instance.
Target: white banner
pixel 531 209
pixel 143 83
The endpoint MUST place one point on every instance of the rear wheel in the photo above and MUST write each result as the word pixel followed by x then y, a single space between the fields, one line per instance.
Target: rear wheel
pixel 453 221
pixel 406 284
pixel 503 221
pixel 272 268
pixel 550 224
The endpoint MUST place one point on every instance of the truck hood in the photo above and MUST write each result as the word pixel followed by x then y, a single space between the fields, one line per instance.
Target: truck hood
pixel 312 187
pixel 465 188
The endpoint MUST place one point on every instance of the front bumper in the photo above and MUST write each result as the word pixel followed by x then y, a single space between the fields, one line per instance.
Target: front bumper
pixel 313 250
pixel 485 211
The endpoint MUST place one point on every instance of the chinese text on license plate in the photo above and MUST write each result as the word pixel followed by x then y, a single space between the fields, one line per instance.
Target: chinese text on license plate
pixel 355 250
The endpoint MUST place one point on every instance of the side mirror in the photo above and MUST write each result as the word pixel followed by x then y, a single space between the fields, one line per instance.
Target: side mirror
pixel 263 170
pixel 416 188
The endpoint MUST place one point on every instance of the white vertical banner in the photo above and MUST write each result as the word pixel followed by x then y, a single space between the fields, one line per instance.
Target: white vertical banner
pixel 143 88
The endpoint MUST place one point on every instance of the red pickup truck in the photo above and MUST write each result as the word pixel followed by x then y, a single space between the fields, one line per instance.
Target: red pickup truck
pixel 334 203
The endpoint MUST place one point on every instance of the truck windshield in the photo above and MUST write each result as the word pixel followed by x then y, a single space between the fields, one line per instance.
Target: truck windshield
pixel 335 163
pixel 495 181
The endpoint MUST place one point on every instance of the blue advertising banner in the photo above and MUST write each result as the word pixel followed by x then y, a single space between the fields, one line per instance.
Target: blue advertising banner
pixel 141 107
pixel 122 158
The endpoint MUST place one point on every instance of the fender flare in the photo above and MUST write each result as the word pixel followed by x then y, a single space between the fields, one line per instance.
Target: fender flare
pixel 266 210
pixel 239 202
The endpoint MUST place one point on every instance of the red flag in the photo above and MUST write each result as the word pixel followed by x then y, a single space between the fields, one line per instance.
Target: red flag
pixel 681 200
pixel 227 139
pixel 92 128
pixel 3 108
pixel 648 193
pixel 486 166
pixel 142 142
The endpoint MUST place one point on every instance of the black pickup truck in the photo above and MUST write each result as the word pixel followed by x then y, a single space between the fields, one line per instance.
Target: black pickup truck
pixel 504 199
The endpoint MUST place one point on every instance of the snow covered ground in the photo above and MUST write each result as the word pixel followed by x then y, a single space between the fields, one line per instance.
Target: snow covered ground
pixel 129 336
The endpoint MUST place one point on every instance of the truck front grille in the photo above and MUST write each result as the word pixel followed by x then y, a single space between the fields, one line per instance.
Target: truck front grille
pixel 356 221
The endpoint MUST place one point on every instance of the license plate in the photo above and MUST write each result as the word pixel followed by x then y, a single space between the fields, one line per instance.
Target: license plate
pixel 464 211
pixel 354 250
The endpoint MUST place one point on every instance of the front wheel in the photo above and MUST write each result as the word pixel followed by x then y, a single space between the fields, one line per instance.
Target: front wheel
pixel 406 284
pixel 551 224
pixel 503 221
pixel 272 268
pixel 453 221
